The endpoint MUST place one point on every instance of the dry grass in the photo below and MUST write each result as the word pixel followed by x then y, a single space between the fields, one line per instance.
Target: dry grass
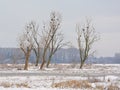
pixel 18 85
pixel 6 84
pixel 94 80
pixel 22 85
pixel 100 87
pixel 113 87
pixel 72 84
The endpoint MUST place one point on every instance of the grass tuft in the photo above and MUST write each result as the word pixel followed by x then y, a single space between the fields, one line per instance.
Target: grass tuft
pixel 113 87
pixel 72 84
pixel 18 85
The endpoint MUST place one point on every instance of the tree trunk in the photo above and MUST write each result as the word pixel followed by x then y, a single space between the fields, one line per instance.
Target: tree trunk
pixel 49 60
pixel 37 60
pixel 81 65
pixel 26 62
pixel 43 58
pixel 48 63
pixel 42 64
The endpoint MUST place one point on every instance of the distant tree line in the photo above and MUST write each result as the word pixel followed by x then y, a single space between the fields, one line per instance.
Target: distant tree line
pixel 63 55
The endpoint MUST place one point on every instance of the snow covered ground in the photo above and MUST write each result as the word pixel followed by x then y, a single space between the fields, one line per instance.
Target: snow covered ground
pixel 46 82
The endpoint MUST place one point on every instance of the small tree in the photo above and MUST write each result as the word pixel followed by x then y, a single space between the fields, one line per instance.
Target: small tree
pixel 26 43
pixel 86 36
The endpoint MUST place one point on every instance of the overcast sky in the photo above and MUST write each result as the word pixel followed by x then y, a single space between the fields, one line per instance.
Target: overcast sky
pixel 105 14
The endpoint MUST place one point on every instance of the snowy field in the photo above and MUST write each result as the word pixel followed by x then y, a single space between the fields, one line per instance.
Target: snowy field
pixel 61 77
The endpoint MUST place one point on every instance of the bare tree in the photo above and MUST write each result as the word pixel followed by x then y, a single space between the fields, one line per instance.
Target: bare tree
pixel 36 38
pixel 48 34
pixel 86 36
pixel 26 43
pixel 56 43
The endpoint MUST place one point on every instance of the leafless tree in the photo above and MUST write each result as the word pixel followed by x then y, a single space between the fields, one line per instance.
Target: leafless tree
pixel 56 43
pixel 36 39
pixel 26 43
pixel 86 36
pixel 48 35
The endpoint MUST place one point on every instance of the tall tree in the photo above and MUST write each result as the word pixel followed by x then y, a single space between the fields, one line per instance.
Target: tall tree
pixel 49 32
pixel 26 43
pixel 86 36
pixel 36 39
pixel 56 44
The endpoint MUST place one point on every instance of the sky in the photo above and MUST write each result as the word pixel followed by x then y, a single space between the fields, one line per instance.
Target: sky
pixel 105 15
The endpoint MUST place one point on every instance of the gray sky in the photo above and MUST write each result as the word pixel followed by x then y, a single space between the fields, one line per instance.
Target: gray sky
pixel 105 14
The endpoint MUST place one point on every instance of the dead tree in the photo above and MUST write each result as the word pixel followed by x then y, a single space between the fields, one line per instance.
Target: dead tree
pixel 48 34
pixel 26 43
pixel 86 36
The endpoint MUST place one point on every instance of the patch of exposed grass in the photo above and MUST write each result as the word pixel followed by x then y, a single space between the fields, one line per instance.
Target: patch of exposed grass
pixel 101 87
pixel 113 87
pixel 22 85
pixel 18 85
pixel 5 84
pixel 94 80
pixel 72 84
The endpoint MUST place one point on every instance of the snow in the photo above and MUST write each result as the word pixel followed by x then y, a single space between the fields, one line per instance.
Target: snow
pixel 45 82
pixel 93 85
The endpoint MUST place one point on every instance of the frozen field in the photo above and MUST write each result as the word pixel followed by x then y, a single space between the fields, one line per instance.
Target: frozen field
pixel 60 77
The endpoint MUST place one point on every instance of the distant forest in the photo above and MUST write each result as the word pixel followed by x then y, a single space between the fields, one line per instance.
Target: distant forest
pixel 69 55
